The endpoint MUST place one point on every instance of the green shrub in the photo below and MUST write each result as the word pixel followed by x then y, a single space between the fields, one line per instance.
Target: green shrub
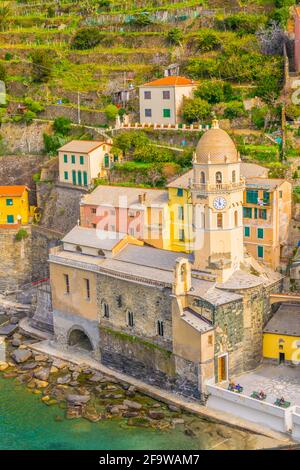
pixel 150 154
pixel 50 12
pixel 42 64
pixel 269 84
pixel 258 116
pixel 33 106
pixel 86 38
pixel 141 19
pixel 21 235
pixel 280 16
pixel 234 109
pixel 52 143
pixel 207 41
pixel 243 23
pixel 238 65
pixel 284 3
pixel 203 68
pixel 296 194
pixel 175 36
pixel 184 159
pixel 293 111
pixel 196 110
pixel 62 125
pixel 28 117
pixel 211 91
pixel 111 111
pixel 130 140
pixel 2 73
pixel 277 170
pixel 104 5
pixel 36 177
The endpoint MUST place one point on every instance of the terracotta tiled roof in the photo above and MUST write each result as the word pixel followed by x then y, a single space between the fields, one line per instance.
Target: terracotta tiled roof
pixel 12 190
pixel 171 81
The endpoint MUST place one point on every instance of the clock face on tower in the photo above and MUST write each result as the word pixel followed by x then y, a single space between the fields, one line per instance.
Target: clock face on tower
pixel 219 203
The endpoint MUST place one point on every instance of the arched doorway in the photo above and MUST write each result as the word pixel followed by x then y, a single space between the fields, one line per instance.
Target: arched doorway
pixel 80 339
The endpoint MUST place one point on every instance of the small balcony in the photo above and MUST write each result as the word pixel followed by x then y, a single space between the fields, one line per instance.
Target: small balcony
pixel 205 188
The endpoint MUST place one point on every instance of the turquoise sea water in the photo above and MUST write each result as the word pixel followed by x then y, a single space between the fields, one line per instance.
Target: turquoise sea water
pixel 27 423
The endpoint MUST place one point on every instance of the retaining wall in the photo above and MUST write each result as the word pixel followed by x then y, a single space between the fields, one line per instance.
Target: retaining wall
pixel 265 414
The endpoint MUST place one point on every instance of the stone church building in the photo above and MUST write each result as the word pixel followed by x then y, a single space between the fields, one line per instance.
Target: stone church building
pixel 179 321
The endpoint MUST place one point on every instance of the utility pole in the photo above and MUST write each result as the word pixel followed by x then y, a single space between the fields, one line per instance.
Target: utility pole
pixel 78 107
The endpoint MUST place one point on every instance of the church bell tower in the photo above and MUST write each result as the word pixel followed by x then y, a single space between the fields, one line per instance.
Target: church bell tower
pixel 217 195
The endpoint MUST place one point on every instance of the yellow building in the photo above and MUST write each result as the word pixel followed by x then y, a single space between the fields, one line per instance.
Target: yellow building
pixel 281 339
pixel 14 205
pixel 181 214
pixel 81 161
pixel 267 216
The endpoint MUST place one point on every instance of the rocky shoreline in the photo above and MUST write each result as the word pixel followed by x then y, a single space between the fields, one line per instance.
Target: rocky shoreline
pixel 83 392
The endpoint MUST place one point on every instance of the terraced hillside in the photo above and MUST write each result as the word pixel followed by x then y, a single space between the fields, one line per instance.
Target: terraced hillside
pixel 56 52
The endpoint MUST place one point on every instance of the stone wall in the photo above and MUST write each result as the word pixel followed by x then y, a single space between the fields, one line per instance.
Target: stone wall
pixel 64 323
pixel 229 335
pixel 88 117
pixel 26 260
pixel 147 362
pixel 60 206
pixel 43 315
pixel 139 351
pixel 15 266
pixel 25 139
pixel 18 170
pixel 42 241
pixel 148 305
pixel 239 328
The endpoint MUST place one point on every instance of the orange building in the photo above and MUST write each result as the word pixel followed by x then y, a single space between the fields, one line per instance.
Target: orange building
pixel 14 205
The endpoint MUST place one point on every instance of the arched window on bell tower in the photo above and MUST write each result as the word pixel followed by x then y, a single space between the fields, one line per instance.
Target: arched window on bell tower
pixel 220 220
pixel 236 218
pixel 233 176
pixel 219 177
pixel 202 177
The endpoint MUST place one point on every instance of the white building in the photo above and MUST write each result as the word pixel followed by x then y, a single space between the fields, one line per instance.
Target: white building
pixel 161 100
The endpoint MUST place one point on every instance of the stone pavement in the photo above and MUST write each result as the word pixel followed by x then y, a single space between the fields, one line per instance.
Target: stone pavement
pixel 77 357
pixel 275 380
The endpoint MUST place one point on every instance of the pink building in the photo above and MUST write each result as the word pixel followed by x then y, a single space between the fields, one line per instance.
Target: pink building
pixel 138 212
pixel 297 38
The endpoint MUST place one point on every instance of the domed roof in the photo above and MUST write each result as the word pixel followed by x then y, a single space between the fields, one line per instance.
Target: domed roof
pixel 216 146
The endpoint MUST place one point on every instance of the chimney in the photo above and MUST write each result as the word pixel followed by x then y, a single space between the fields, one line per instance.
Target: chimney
pixel 142 198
